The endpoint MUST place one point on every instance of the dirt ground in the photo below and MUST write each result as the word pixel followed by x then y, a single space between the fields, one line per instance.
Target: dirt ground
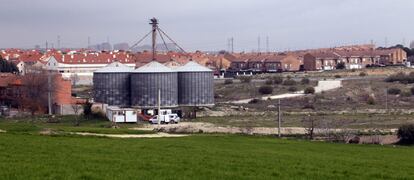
pixel 202 127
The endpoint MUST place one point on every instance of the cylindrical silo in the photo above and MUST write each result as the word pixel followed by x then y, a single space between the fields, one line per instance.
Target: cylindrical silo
pixel 195 85
pixel 147 80
pixel 111 84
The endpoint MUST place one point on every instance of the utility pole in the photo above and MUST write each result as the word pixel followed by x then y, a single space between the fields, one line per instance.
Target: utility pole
pixel 258 44
pixel 89 42
pixel 232 44
pixel 46 46
pixel 279 118
pixel 386 42
pixel 228 45
pixel 154 23
pixel 267 44
pixel 58 42
pixel 159 107
pixel 386 99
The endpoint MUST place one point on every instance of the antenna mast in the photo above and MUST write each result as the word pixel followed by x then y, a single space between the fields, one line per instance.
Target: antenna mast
pixel 154 23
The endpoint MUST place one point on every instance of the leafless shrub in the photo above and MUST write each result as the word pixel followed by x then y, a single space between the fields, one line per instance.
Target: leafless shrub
pixel 310 124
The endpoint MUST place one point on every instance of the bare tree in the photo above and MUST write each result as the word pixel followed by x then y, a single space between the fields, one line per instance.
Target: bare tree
pixel 310 124
pixel 75 79
pixel 76 109
pixel 34 91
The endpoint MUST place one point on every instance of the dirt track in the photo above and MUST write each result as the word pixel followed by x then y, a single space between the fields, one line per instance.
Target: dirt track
pixel 158 135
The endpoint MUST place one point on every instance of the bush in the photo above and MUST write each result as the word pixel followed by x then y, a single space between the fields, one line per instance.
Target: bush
pixel 371 100
pixel 254 101
pixel 340 65
pixel 362 74
pixel 269 82
pixel 245 79
pixel 305 81
pixel 401 77
pixel 406 134
pixel 394 91
pixel 337 76
pixel 87 109
pixel 277 80
pixel 266 89
pixel 309 90
pixel 292 89
pixel 406 93
pixel 289 82
pixel 228 81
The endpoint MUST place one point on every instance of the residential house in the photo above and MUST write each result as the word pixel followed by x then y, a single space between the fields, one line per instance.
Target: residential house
pixel 320 61
pixel 391 56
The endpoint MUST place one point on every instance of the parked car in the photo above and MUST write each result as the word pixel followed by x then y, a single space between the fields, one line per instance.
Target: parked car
pixel 165 119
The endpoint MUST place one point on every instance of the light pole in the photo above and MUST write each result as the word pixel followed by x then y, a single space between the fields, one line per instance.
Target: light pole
pixel 159 107
pixel 279 118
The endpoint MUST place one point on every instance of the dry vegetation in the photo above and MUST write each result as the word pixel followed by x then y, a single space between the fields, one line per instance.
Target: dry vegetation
pixel 238 90
pixel 363 95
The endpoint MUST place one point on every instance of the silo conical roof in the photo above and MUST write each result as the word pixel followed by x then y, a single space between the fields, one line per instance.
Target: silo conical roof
pixel 152 67
pixel 114 68
pixel 192 66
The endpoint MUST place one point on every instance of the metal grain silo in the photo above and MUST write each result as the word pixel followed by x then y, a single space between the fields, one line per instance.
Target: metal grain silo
pixel 111 84
pixel 147 80
pixel 195 85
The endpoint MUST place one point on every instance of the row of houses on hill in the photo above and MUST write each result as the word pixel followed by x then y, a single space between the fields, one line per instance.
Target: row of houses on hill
pixel 315 60
pixel 82 63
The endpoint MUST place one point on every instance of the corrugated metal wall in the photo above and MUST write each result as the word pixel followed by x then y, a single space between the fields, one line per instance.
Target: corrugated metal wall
pixel 195 88
pixel 144 89
pixel 112 88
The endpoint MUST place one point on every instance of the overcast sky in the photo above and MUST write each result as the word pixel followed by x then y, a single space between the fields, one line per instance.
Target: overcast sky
pixel 207 24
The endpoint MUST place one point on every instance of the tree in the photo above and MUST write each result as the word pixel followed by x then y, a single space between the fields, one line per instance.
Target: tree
pixel 35 91
pixel 309 123
pixel 406 134
pixel 6 66
pixel 76 109
pixel 340 65
pixel 87 110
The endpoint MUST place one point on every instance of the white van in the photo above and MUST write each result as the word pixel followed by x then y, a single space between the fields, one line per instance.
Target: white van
pixel 165 119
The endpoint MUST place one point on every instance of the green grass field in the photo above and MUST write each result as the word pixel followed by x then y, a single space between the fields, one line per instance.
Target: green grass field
pixel 30 156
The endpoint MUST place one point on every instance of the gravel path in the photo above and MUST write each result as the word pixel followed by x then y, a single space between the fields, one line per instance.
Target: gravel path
pixel 325 85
